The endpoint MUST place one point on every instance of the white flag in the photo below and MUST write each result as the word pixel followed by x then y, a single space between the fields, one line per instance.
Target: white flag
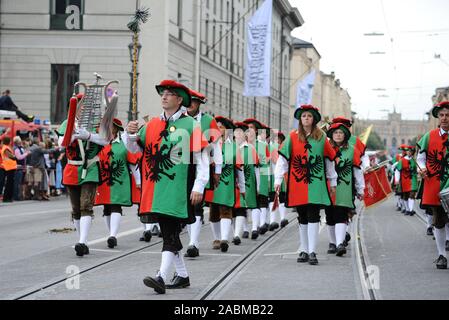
pixel 258 52
pixel 304 93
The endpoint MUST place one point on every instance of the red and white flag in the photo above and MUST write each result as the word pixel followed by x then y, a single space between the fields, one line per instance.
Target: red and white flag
pixel 377 187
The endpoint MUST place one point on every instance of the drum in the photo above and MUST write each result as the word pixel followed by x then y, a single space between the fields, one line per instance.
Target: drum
pixel 444 196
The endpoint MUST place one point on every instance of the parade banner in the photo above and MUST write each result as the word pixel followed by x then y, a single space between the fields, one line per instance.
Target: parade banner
pixel 377 187
pixel 304 93
pixel 258 52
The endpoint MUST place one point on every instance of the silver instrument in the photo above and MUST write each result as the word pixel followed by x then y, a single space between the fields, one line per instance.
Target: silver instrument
pixel 444 196
pixel 93 108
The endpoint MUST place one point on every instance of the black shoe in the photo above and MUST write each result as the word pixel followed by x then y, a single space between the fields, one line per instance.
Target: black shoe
pixel 254 235
pixel 192 252
pixel 273 226
pixel 155 230
pixel 112 242
pixel 284 223
pixel 332 248
pixel 412 213
pixel 347 237
pixel 178 283
pixel 303 257
pixel 312 259
pixel 160 234
pixel 263 229
pixel 430 231
pixel 86 249
pixel 156 283
pixel 79 248
pixel 398 209
pixel 245 235
pixel 236 241
pixel 447 245
pixel 341 250
pixel 441 262
pixel 407 213
pixel 403 211
pixel 224 245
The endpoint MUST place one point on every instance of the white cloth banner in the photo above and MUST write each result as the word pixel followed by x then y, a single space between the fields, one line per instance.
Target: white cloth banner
pixel 258 52
pixel 304 93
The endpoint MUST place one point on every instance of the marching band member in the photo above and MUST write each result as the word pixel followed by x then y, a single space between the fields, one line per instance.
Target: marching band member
pixel 350 178
pixel 210 131
pixel 250 162
pixel 80 179
pixel 172 156
pixel 255 129
pixel 274 155
pixel 431 160
pixel 114 189
pixel 224 197
pixel 406 178
pixel 308 158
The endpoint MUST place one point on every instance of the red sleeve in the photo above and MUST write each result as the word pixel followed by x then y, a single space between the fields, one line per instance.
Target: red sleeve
pixel 239 160
pixel 360 146
pixel 255 157
pixel 214 132
pixel 329 152
pixel 197 140
pixel 357 161
pixel 267 152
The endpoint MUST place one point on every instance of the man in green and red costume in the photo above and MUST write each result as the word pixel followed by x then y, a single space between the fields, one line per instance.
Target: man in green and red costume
pixel 174 176
pixel 81 176
pixel 397 186
pixel 433 165
pixel 275 144
pixel 406 178
pixel 350 184
pixel 114 189
pixel 255 136
pixel 250 162
pixel 211 133
pixel 223 197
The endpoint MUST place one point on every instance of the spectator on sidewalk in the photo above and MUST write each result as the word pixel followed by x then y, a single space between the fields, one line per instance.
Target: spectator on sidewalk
pixel 37 161
pixel 2 171
pixel 10 166
pixel 21 154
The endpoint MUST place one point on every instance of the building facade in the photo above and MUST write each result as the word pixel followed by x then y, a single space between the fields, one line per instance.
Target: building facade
pixel 327 94
pixel 394 131
pixel 47 45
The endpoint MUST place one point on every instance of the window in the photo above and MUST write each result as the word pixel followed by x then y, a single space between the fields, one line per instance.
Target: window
pixel 63 77
pixel 66 14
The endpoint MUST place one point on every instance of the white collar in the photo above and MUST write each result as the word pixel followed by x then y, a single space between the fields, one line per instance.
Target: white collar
pixel 117 139
pixel 443 132
pixel 407 157
pixel 244 144
pixel 197 117
pixel 174 117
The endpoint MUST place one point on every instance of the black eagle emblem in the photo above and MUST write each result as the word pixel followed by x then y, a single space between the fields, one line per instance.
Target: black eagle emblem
pixel 306 170
pixel 160 160
pixel 344 170
pixel 438 163
pixel 112 171
pixel 226 173
pixel 247 172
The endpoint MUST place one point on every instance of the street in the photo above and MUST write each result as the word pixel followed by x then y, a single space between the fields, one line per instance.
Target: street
pixel 37 257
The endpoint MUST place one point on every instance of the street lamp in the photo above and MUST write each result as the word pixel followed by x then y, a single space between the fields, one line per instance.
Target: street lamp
pixel 130 47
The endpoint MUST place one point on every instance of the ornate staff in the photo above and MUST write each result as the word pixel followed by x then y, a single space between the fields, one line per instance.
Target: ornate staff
pixel 141 16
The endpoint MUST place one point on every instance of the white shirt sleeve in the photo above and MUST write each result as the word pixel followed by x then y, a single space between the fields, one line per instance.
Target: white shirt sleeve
pixel 397 176
pixel 60 140
pixel 131 143
pixel 331 174
pixel 421 160
pixel 258 179
pixel 365 162
pixel 280 170
pixel 359 180
pixel 136 173
pixel 97 139
pixel 241 180
pixel 218 157
pixel 202 172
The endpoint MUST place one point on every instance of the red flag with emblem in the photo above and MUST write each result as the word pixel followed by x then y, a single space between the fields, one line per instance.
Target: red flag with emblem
pixel 377 187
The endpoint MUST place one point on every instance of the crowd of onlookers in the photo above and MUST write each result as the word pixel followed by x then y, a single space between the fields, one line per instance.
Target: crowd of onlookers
pixel 30 169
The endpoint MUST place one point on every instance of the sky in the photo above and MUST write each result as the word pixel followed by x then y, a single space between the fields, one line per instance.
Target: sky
pixel 408 73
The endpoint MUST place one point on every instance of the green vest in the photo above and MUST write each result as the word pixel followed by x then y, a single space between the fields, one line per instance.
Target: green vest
pixel 264 165
pixel 248 154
